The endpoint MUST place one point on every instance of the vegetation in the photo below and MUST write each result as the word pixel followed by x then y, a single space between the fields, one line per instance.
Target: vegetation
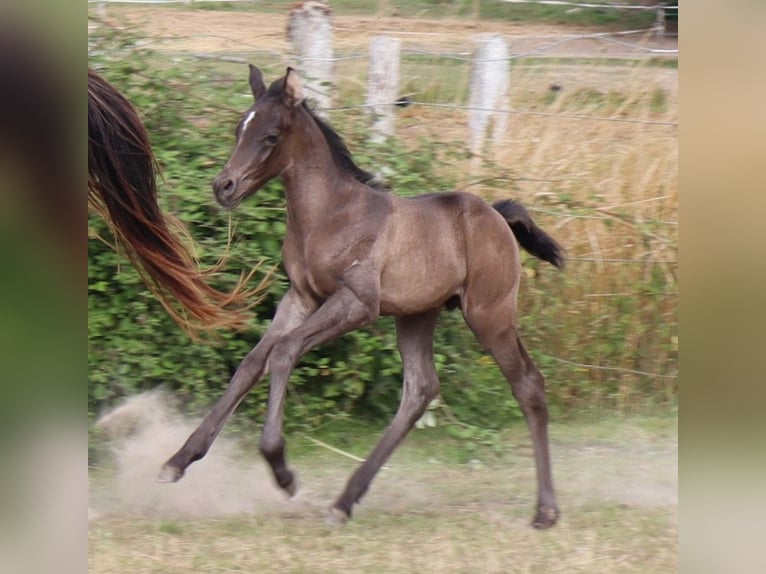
pixel 604 334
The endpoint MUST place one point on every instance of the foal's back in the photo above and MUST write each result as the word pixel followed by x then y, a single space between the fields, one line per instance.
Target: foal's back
pixel 435 245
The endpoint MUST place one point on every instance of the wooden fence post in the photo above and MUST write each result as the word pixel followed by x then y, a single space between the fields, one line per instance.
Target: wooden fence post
pixel 490 80
pixel 383 86
pixel 309 29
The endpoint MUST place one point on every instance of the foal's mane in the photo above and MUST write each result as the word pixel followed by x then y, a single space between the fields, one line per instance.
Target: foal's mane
pixel 342 155
pixel 338 148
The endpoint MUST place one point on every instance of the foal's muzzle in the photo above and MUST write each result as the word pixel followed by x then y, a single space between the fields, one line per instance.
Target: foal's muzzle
pixel 225 191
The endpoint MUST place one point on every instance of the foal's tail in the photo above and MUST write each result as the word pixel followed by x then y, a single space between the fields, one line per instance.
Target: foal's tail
pixel 122 189
pixel 528 234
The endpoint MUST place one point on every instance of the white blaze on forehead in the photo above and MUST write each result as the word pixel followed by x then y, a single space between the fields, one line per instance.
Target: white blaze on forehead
pixel 249 117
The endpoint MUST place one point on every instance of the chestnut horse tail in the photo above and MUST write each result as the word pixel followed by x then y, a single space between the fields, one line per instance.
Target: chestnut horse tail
pixel 122 189
pixel 528 234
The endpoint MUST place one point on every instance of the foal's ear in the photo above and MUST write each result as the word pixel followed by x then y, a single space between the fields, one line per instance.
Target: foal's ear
pixel 292 93
pixel 256 82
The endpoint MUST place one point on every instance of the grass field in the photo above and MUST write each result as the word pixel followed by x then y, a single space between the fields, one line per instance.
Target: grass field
pixel 442 505
pixel 601 538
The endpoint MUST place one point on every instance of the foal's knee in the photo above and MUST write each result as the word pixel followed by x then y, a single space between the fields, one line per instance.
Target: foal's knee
pixel 251 368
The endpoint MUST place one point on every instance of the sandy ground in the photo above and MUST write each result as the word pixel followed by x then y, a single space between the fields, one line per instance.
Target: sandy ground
pixel 221 31
pixel 616 483
pixel 636 469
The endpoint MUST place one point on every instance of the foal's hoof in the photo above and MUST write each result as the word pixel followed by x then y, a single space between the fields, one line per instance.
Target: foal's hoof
pixel 546 517
pixel 291 488
pixel 336 517
pixel 169 474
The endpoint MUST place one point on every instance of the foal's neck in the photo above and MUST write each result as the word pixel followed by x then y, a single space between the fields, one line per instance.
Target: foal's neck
pixel 313 181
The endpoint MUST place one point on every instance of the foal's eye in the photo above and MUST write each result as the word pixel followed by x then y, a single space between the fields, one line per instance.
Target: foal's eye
pixel 271 139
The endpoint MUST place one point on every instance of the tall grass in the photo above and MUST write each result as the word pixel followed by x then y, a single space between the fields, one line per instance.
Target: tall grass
pixel 591 147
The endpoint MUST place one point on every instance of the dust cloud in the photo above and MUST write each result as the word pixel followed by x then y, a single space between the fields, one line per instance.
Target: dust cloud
pixel 142 433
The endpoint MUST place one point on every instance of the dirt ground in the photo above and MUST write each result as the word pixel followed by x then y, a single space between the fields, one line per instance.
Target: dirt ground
pixel 634 467
pixel 222 31
pixel 426 511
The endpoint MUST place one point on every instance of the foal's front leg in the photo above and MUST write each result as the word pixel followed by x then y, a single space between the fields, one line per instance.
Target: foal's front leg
pixel 291 311
pixel 344 311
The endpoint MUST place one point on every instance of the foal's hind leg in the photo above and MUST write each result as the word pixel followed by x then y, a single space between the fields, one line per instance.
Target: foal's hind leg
pixel 528 387
pixel 421 385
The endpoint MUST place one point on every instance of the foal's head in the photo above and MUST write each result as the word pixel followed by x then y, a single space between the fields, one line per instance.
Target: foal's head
pixel 263 145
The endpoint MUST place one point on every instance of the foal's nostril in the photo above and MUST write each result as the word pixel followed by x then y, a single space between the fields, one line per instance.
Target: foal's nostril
pixel 223 187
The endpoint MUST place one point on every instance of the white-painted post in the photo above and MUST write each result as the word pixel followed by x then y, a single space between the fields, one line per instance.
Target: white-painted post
pixel 383 86
pixel 309 29
pixel 490 81
pixel 660 22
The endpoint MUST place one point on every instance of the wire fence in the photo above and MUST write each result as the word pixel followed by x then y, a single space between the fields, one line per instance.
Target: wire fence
pixel 467 57
pixel 600 5
pixel 553 115
pixel 436 58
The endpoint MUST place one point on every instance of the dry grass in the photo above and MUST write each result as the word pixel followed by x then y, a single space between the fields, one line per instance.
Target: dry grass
pixel 598 168
pixel 442 506
pixel 601 539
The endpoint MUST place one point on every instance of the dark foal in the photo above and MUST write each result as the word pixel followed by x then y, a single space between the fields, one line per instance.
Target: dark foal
pixel 354 253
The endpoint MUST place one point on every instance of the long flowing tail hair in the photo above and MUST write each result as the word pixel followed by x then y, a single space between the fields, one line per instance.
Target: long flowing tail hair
pixel 122 189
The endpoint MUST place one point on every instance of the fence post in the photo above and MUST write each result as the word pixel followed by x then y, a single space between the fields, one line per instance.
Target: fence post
pixel 383 85
pixel 490 80
pixel 309 29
